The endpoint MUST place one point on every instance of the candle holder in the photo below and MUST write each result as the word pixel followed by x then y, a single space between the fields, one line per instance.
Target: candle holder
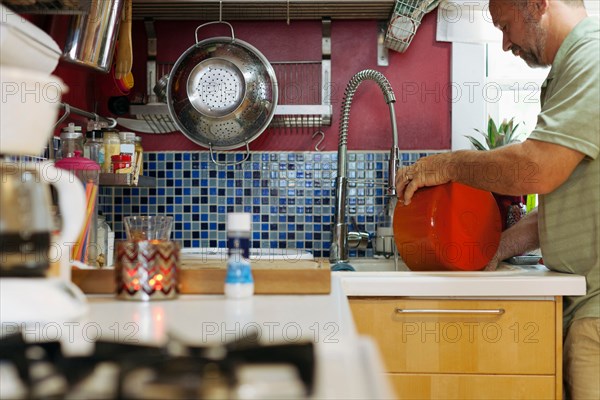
pixel 147 270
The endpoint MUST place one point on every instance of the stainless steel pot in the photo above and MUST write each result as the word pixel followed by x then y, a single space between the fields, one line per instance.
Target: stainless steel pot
pixel 92 37
pixel 222 92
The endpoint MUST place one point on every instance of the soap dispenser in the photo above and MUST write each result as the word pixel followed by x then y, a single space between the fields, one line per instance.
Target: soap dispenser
pixel 384 235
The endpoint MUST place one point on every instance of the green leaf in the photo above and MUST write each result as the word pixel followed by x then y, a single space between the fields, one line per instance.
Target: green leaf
pixel 509 126
pixel 514 136
pixel 492 133
pixel 500 140
pixel 476 143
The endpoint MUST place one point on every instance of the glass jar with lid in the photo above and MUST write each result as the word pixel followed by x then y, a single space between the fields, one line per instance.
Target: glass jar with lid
pixel 71 140
pixel 127 143
pixel 112 147
pixel 94 146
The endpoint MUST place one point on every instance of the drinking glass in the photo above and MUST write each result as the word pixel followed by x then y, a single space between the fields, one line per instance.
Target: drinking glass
pixel 147 227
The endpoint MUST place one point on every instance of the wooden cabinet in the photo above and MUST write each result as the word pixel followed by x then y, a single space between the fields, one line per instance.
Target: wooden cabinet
pixel 467 348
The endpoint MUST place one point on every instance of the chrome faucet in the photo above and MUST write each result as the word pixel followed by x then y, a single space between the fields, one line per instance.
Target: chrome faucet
pixel 338 252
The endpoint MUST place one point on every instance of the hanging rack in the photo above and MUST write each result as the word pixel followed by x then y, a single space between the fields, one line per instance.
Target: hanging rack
pixel 70 109
pixel 111 122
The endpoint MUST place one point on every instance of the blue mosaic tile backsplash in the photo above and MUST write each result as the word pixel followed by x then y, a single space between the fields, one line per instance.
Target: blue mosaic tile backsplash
pixel 291 196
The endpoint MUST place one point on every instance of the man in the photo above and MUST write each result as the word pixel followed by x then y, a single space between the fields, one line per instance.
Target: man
pixel 559 161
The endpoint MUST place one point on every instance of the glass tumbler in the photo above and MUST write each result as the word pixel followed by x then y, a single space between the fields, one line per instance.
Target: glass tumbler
pixel 147 227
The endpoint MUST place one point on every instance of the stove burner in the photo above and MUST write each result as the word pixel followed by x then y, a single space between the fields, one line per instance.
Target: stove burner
pixel 132 371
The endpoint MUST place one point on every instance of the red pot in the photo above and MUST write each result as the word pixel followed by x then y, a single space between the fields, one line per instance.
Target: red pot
pixel 448 227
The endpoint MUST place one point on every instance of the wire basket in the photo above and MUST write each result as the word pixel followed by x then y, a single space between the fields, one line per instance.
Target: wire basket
pixel 404 21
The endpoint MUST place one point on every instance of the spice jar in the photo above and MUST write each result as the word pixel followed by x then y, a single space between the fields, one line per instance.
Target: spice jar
pixel 112 147
pixel 121 164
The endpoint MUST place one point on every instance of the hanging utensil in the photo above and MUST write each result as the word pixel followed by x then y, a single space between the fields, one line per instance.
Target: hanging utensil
pixel 124 57
pixel 152 117
pixel 222 92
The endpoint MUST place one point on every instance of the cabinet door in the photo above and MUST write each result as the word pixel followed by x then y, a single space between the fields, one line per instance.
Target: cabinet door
pixel 460 387
pixel 461 336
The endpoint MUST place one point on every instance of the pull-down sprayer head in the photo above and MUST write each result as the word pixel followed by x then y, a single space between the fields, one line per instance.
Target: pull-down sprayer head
pixel 338 251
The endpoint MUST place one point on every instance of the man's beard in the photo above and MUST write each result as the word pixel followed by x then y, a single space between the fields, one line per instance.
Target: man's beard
pixel 533 56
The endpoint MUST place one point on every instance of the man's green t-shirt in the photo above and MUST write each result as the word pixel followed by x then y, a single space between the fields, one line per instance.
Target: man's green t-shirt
pixel 569 217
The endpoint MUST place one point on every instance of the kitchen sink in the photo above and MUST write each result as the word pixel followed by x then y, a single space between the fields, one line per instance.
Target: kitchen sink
pixel 377 265
pixel 387 265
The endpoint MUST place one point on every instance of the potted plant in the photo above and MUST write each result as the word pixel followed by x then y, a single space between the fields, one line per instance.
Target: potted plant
pixel 497 136
pixel 512 208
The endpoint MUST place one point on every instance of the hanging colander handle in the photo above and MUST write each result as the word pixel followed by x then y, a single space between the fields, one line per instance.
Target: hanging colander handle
pixel 212 156
pixel 215 22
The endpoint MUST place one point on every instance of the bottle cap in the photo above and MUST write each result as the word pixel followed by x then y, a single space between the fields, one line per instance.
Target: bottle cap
pixel 239 222
pixel 71 131
pixel 127 136
pixel 95 134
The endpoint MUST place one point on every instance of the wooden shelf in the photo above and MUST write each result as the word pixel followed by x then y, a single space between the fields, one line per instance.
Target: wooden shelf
pixel 107 179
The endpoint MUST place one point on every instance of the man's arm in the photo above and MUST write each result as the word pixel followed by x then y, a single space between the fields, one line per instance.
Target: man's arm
pixel 532 166
pixel 518 239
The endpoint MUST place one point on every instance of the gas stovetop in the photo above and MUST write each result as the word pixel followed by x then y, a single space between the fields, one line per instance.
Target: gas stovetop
pixel 243 369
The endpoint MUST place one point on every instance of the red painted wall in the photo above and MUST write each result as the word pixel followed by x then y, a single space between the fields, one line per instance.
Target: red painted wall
pixel 420 78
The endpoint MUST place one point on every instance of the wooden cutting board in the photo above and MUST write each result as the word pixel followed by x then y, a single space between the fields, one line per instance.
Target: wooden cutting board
pixel 208 277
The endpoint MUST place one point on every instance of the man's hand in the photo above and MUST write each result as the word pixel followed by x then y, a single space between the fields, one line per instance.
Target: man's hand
pixel 427 171
pixel 518 239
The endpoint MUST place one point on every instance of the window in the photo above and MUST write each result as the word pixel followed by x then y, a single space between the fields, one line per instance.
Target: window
pixel 513 88
pixel 486 81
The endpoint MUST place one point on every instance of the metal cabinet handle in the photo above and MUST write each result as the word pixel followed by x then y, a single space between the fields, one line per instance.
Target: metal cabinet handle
pixel 498 311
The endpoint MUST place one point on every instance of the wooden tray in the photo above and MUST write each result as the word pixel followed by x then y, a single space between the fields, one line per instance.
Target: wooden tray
pixel 208 277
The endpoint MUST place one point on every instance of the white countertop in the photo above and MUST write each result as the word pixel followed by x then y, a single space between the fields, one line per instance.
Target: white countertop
pixel 508 281
pixel 348 365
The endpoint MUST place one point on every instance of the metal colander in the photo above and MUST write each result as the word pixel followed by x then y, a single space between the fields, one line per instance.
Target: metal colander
pixel 222 92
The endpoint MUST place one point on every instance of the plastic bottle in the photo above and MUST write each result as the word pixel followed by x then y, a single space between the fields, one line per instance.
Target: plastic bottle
pixel 71 140
pixel 238 281
pixel 112 146
pixel 94 146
